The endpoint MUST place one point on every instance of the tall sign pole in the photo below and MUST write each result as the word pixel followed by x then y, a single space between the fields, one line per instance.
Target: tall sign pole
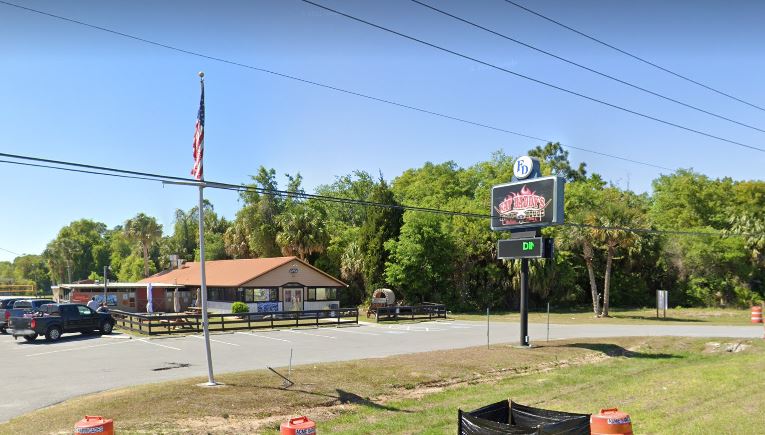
pixel 523 207
pixel 198 173
pixel 524 302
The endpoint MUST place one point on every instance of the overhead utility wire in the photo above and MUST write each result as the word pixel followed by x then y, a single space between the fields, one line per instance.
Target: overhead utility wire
pixel 634 56
pixel 592 70
pixel 541 82
pixel 326 86
pixel 10 252
pixel 122 173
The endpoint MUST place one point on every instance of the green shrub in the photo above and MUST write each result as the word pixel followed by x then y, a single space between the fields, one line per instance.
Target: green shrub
pixel 239 307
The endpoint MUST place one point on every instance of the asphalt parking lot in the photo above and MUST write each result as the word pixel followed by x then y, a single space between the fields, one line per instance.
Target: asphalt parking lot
pixel 40 374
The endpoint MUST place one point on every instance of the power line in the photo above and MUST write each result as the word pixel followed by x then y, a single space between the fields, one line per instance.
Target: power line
pixel 586 68
pixel 10 252
pixel 634 56
pixel 123 173
pixel 330 87
pixel 541 82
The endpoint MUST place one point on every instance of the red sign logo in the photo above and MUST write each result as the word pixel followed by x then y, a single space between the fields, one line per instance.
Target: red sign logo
pixel 522 207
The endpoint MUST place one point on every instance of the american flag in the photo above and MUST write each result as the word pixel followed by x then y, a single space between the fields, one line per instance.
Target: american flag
pixel 199 138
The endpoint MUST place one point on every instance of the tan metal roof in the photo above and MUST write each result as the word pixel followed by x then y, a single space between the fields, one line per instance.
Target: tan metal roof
pixel 225 273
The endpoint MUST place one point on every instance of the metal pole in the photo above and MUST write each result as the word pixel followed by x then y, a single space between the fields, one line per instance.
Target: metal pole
pixel 657 304
pixel 487 327
pixel 524 302
pixel 289 372
pixel 548 321
pixel 106 268
pixel 205 322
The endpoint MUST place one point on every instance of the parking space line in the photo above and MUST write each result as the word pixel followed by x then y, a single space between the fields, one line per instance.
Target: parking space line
pixel 313 335
pixel 146 340
pixel 263 336
pixel 354 332
pixel 78 348
pixel 217 341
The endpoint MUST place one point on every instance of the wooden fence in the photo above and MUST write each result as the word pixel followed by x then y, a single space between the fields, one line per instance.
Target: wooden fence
pixel 182 323
pixel 412 312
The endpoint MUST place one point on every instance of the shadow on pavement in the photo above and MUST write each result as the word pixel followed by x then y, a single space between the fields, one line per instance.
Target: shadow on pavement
pixel 658 319
pixel 68 338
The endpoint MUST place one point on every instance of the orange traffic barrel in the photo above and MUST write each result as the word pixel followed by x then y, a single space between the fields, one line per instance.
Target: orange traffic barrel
pixel 756 314
pixel 610 421
pixel 298 426
pixel 93 424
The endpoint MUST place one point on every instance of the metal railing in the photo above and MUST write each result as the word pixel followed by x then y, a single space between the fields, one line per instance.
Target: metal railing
pixel 411 312
pixel 181 323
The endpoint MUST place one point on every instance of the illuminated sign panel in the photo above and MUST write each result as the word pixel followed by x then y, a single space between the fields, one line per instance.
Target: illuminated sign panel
pixel 534 247
pixel 527 204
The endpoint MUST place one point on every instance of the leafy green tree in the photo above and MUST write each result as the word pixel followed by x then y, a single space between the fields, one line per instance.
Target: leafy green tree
pixel 79 248
pixel 381 225
pixel 554 160
pixel 253 233
pixel 420 263
pixel 32 268
pixel 144 231
pixel 61 255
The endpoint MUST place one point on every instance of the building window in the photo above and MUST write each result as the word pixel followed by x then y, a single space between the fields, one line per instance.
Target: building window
pixel 322 294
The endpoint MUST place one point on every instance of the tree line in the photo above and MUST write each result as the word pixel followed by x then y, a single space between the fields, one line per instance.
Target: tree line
pixel 451 258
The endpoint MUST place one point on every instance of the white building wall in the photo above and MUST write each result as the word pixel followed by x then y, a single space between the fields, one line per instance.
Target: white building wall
pixel 321 305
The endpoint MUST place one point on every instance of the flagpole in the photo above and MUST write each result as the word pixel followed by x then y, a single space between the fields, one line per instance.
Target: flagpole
pixel 205 320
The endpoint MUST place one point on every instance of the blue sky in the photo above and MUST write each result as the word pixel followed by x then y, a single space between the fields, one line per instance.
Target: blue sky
pixel 78 94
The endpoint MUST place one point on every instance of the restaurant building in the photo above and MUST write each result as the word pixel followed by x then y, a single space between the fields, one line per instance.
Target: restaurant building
pixel 125 296
pixel 264 284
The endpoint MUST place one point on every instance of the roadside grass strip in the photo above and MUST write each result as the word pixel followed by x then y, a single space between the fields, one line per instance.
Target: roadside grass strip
pixel 666 384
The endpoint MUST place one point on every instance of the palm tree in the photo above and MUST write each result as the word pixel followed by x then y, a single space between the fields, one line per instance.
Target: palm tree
pixel 303 231
pixel 145 231
pixel 582 199
pixel 620 210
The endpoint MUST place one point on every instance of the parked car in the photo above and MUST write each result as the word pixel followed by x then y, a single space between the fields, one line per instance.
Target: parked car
pixel 23 306
pixel 53 320
pixel 5 312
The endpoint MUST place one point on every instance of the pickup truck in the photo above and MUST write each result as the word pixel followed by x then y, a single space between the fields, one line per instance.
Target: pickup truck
pixel 5 313
pixel 52 320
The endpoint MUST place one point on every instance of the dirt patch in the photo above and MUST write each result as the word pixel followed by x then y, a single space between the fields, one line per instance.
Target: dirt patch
pixel 715 347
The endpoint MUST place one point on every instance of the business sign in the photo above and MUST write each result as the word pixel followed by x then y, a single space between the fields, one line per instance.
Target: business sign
pixel 523 167
pixel 527 204
pixel 533 247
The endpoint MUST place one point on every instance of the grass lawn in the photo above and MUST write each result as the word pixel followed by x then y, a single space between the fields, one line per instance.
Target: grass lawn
pixel 624 316
pixel 668 385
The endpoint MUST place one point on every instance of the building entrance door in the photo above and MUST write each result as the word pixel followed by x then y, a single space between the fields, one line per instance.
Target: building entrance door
pixel 293 299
